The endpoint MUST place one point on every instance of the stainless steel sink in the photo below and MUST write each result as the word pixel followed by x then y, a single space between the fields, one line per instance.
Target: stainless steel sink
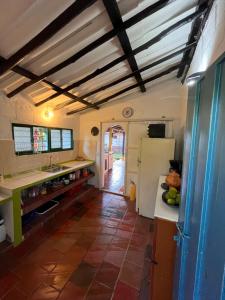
pixel 55 168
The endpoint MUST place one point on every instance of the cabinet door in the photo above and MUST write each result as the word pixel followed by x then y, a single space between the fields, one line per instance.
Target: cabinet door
pixel 163 260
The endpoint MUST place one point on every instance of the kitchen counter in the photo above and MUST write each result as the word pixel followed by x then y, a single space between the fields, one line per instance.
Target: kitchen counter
pixel 36 176
pixel 3 198
pixel 162 210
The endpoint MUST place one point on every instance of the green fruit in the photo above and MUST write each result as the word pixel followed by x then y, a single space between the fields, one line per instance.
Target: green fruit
pixel 167 196
pixel 178 199
pixel 171 201
pixel 173 189
pixel 172 193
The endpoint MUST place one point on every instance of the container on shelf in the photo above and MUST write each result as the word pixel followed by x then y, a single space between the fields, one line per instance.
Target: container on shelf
pixel 2 230
pixel 85 172
pixel 78 174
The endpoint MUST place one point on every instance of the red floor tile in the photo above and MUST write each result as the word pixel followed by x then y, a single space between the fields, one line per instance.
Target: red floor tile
pixel 125 292
pixel 139 240
pixel 103 241
pixel 131 274
pixel 124 234
pixel 95 258
pixel 48 267
pixel 99 291
pixel 15 294
pixel 135 255
pixel 45 293
pixel 107 274
pixel 71 292
pixel 115 257
pixel 83 275
pixel 119 242
pixel 57 281
pixel 7 281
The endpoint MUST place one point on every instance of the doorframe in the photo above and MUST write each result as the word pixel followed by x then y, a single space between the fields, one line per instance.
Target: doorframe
pixel 124 125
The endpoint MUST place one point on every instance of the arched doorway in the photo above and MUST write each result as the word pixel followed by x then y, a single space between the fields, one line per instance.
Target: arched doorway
pixel 114 165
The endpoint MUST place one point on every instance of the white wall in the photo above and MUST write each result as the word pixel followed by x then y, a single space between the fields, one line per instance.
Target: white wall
pixel 212 42
pixel 164 99
pixel 20 110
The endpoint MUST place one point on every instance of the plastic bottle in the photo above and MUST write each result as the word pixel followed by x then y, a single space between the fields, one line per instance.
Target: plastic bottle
pixel 132 191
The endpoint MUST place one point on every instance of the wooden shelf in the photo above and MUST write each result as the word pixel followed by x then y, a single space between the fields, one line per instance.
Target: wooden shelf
pixel 33 203
pixel 39 221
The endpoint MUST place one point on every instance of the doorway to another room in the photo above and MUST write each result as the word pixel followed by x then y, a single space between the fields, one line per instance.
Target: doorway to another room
pixel 114 159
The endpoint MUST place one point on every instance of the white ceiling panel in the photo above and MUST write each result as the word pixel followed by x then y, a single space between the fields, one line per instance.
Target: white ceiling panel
pixel 28 17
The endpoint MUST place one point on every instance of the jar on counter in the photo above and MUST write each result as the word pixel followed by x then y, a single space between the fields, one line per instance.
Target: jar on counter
pixel 2 230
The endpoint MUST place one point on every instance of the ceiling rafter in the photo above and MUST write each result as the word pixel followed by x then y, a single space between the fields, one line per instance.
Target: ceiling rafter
pixel 28 74
pixel 116 19
pixel 194 36
pixel 139 49
pixel 131 87
pixel 106 37
pixel 117 81
pixel 64 18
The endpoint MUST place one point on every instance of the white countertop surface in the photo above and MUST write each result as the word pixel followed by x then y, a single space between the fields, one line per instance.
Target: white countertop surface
pixel 162 210
pixel 36 176
pixel 3 197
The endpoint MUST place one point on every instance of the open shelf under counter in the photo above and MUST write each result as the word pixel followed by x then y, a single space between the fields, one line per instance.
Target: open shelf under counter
pixel 31 204
pixel 6 212
pixel 61 211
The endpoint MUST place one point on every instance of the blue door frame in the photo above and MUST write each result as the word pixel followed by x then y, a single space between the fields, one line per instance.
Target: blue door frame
pixel 184 237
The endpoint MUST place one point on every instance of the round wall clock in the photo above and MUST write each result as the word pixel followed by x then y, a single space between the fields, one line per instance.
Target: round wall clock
pixel 94 131
pixel 127 112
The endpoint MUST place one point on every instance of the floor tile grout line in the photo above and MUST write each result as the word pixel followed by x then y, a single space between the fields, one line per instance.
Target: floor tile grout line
pixel 86 294
pixel 124 256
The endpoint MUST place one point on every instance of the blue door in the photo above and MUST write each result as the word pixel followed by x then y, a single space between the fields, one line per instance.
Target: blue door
pixel 193 187
pixel 210 276
pixel 190 132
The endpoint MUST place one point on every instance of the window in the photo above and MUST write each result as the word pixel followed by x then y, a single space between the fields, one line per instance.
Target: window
pixel 67 139
pixel 29 139
pixel 22 139
pixel 40 139
pixel 55 136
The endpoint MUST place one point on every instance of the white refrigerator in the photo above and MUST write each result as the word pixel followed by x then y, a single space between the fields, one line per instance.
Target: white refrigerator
pixel 155 155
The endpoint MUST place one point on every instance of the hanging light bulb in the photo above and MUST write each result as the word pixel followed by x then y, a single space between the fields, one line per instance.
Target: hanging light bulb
pixel 48 114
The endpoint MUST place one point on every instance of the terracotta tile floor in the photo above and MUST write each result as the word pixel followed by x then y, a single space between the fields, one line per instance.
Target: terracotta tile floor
pixel 101 252
pixel 114 178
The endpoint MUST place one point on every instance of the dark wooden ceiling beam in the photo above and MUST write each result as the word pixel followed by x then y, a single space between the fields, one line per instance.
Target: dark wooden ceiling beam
pixel 64 18
pixel 117 81
pixel 150 79
pixel 106 37
pixel 116 19
pixel 28 74
pixel 194 36
pixel 118 60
